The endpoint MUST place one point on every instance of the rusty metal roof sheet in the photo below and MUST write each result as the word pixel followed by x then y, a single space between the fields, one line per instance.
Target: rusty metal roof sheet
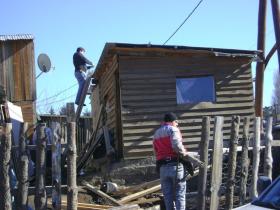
pixel 16 37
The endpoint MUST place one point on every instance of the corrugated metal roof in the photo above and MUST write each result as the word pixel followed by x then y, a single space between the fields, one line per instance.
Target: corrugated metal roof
pixel 16 37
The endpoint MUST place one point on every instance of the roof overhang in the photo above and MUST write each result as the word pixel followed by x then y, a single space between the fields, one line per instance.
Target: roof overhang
pixel 16 37
pixel 112 49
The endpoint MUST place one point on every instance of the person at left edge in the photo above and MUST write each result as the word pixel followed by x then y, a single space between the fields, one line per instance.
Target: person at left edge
pixel 80 62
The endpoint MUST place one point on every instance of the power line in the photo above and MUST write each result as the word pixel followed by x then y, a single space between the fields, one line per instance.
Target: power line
pixel 57 94
pixel 60 100
pixel 183 22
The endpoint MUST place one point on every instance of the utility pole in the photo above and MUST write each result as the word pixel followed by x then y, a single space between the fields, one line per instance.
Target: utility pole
pixel 260 65
pixel 276 19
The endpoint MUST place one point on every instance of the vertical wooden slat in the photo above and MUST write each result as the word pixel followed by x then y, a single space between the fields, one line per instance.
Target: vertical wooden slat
pixel 232 161
pixel 268 154
pixel 70 111
pixel 8 69
pixel 26 70
pixel 216 177
pixel 5 156
pixel 16 72
pixel 2 66
pixel 203 152
pixel 56 165
pixel 22 196
pixel 256 158
pixel 40 191
pixel 72 190
pixel 119 117
pixel 244 161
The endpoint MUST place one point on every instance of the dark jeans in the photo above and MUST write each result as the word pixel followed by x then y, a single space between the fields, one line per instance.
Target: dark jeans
pixel 81 78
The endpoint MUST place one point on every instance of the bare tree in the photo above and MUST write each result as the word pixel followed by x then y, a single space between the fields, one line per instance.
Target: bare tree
pixel 51 111
pixel 63 110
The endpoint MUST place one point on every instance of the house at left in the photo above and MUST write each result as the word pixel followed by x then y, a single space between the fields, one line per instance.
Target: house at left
pixel 17 73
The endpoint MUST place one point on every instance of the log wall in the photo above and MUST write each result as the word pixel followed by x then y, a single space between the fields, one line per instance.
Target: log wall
pixel 107 92
pixel 148 90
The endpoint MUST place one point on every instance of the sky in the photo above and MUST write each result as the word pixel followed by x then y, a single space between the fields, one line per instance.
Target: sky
pixel 60 26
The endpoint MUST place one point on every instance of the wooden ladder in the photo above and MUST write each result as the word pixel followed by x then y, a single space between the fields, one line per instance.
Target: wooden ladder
pixel 83 97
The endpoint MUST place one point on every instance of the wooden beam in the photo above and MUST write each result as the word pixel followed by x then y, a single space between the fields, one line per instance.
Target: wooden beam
pixel 276 19
pixel 217 163
pixel 83 206
pixel 134 196
pixel 100 193
pixel 256 158
pixel 244 161
pixel 268 153
pixel 260 65
pixel 232 162
pixel 203 151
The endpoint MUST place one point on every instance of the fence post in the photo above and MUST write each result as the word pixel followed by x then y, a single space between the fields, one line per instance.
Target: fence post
pixel 72 191
pixel 244 161
pixel 232 161
pixel 5 156
pixel 268 154
pixel 203 152
pixel 40 189
pixel 256 158
pixel 56 166
pixel 22 194
pixel 217 162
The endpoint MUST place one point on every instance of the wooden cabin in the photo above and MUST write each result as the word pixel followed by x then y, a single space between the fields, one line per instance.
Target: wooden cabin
pixel 17 73
pixel 138 84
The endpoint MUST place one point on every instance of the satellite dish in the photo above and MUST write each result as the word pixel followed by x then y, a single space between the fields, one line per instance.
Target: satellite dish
pixel 44 62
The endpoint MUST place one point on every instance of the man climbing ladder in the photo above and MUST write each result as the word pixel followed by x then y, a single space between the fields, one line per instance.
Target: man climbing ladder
pixel 82 64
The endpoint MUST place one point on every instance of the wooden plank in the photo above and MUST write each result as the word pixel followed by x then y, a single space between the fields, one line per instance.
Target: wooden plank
pixel 216 177
pixel 5 157
pixel 90 146
pixel 18 82
pixel 202 106
pixel 56 165
pixel 83 206
pixel 137 187
pixel 256 158
pixel 129 117
pixel 244 162
pixel 232 161
pixel 275 143
pixel 127 207
pixel 268 153
pixel 23 183
pixel 40 198
pixel 102 194
pixel 129 198
pixel 203 152
pixel 72 190
pixel 146 201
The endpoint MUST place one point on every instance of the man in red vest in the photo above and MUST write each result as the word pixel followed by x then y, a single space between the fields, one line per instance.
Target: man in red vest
pixel 168 147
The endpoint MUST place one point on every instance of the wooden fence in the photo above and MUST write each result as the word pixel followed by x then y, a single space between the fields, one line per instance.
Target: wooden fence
pixel 42 145
pixel 84 128
pixel 220 189
pixel 210 193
